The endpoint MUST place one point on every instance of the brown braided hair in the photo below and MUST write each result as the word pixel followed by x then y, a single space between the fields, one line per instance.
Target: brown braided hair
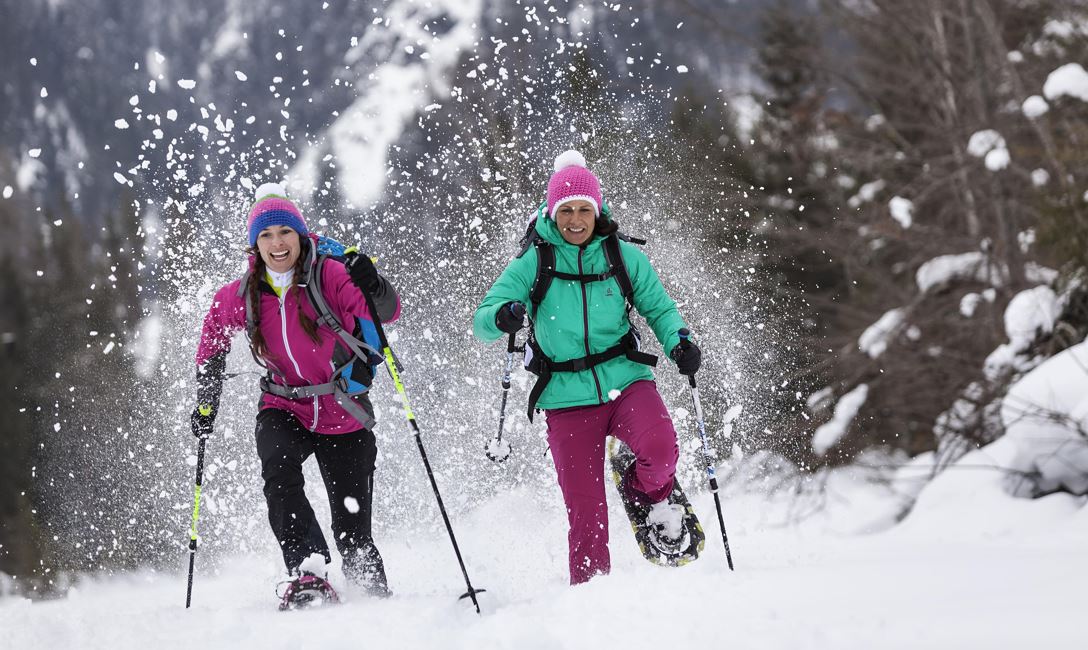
pixel 253 291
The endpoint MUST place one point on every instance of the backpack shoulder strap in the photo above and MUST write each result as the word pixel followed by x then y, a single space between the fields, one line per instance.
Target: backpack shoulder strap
pixel 325 316
pixel 617 266
pixel 545 272
pixel 313 293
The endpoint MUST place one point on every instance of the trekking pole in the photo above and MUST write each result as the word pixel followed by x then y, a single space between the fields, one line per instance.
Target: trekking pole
pixel 496 449
pixel 684 334
pixel 196 515
pixel 391 366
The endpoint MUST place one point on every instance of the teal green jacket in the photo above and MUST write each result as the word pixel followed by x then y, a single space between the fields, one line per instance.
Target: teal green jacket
pixel 575 316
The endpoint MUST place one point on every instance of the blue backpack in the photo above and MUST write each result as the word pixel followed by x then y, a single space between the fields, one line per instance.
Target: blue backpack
pixel 365 330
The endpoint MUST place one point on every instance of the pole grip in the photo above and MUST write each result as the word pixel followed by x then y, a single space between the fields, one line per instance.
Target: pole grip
pixel 510 344
pixel 685 335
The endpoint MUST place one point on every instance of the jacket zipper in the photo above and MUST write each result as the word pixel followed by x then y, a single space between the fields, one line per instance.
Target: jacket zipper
pixel 287 346
pixel 585 323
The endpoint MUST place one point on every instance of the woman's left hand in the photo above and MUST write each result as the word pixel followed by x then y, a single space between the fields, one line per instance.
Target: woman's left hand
pixel 687 356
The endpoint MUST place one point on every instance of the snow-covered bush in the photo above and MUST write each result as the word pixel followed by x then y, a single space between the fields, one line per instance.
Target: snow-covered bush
pixel 1045 414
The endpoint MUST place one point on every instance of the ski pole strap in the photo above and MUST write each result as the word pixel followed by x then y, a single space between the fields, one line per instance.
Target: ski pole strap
pixel 627 347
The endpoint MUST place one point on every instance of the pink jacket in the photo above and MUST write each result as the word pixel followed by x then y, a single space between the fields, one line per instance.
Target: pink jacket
pixel 291 352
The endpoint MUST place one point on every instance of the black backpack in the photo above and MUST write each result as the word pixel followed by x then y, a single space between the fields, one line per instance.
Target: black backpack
pixel 539 363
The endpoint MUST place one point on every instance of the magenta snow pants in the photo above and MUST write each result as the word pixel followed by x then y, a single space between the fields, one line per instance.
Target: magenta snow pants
pixel 577 438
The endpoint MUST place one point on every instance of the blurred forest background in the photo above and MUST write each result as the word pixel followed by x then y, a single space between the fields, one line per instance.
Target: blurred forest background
pixel 844 196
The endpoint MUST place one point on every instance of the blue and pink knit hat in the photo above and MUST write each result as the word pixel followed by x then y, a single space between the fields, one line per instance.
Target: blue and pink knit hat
pixel 572 182
pixel 273 208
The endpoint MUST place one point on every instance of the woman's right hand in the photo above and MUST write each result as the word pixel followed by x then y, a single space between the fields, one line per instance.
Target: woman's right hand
pixel 511 317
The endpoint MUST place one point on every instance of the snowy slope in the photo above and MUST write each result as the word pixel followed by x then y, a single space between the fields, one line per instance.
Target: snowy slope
pixel 1002 577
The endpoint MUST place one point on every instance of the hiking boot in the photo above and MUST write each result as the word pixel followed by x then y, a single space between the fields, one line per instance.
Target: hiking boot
pixel 306 590
pixel 665 524
pixel 364 567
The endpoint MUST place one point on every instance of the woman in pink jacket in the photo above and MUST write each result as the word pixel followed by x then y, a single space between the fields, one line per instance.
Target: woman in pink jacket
pixel 306 407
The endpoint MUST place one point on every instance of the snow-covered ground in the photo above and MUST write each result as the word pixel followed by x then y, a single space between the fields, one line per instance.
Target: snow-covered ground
pixel 971 567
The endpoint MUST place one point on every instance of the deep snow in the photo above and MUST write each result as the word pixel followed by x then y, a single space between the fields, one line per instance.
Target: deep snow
pixel 970 567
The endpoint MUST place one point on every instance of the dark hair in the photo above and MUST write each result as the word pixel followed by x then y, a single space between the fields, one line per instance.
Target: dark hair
pixel 253 289
pixel 604 226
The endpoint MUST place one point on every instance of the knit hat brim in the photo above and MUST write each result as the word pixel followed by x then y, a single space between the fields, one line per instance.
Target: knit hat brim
pixel 274 211
pixel 576 197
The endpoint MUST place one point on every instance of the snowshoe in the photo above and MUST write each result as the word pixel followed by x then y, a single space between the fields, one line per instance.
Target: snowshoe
pixel 305 591
pixel 667 535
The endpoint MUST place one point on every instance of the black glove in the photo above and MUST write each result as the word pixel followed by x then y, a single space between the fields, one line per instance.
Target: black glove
pixel 363 274
pixel 202 419
pixel 511 317
pixel 687 356
pixel 209 386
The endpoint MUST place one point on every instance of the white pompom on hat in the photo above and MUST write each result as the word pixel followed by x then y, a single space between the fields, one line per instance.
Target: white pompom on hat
pixel 572 181
pixel 569 158
pixel 269 189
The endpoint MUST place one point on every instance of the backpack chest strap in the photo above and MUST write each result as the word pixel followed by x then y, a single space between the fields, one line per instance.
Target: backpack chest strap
pixel 584 278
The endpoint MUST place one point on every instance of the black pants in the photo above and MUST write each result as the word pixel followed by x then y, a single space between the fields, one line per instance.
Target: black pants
pixel 347 468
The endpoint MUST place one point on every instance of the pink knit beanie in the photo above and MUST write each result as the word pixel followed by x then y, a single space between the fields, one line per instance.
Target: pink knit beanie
pixel 572 182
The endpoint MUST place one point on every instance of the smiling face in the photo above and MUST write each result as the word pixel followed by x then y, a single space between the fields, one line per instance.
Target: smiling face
pixel 279 247
pixel 575 221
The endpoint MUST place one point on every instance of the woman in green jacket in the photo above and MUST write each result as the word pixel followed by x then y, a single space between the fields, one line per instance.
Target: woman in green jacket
pixel 594 381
